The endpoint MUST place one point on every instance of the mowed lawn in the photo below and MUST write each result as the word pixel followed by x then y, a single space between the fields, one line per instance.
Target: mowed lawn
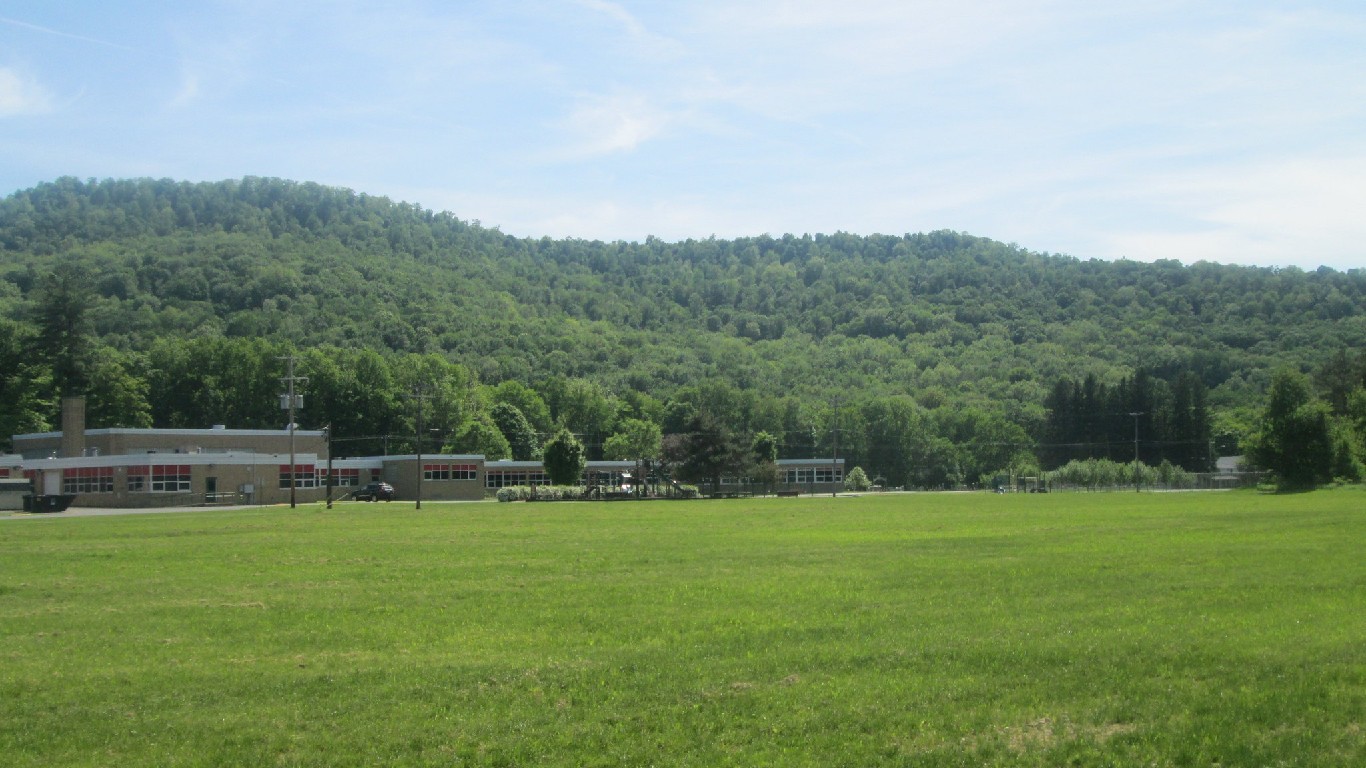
pixel 1182 629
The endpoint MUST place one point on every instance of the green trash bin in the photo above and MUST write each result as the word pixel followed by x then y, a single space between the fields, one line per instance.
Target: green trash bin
pixel 57 502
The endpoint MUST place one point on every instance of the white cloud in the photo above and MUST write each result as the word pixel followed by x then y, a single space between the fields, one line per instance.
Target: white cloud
pixel 189 90
pixel 20 95
pixel 604 125
pixel 620 14
pixel 1287 211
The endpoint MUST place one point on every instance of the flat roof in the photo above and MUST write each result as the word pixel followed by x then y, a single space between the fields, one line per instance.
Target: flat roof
pixel 139 459
pixel 176 433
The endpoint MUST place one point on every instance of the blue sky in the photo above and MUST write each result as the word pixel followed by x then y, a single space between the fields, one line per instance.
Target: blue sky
pixel 1222 131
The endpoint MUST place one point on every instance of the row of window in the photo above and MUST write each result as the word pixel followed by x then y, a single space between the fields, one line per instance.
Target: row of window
pixel 161 478
pixel 450 472
pixel 512 478
pixel 345 476
pixel 813 475
pixel 305 476
pixel 88 480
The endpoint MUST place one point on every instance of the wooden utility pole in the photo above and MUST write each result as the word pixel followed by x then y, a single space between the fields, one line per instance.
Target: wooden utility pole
pixel 327 434
pixel 835 452
pixel 290 401
pixel 419 395
pixel 1136 415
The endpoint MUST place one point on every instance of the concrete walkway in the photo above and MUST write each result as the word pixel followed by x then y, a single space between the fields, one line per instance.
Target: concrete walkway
pixel 102 511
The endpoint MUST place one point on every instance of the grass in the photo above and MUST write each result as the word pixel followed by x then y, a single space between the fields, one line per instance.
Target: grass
pixel 1195 629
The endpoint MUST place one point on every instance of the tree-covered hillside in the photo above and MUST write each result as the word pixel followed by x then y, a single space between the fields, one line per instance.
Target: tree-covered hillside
pixel 772 331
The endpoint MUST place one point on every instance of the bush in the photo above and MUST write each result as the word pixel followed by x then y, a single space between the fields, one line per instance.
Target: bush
pixel 514 493
pixel 543 493
pixel 857 480
pixel 575 493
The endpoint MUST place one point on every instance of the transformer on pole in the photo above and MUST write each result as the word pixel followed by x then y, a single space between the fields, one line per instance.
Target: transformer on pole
pixel 290 401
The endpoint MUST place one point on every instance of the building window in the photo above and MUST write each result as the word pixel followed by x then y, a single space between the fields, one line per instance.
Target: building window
pixel 305 474
pixel 88 480
pixel 137 477
pixel 450 472
pixel 802 475
pixel 513 478
pixel 167 478
pixel 345 476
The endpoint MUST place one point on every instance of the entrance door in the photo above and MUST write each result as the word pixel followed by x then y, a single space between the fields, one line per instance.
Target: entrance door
pixel 211 489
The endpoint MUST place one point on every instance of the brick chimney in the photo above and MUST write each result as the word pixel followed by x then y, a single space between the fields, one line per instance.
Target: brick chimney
pixel 73 427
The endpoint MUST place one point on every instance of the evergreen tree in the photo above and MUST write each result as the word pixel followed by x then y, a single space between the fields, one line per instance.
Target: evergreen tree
pixel 21 386
pixel 64 330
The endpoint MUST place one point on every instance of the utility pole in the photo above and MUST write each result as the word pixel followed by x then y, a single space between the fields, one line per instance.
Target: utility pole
pixel 419 395
pixel 1136 415
pixel 835 452
pixel 290 401
pixel 327 434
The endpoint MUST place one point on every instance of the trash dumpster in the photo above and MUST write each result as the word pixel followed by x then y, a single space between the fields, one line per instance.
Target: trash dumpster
pixel 57 502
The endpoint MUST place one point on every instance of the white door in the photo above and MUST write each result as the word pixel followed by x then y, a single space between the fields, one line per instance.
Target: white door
pixel 52 482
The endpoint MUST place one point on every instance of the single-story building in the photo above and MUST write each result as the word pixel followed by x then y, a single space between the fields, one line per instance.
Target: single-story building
pixel 174 467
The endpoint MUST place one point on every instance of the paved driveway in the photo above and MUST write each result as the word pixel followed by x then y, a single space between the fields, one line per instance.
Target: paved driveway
pixel 99 511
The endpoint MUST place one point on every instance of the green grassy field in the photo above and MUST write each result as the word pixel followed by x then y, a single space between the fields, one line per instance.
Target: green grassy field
pixel 1200 629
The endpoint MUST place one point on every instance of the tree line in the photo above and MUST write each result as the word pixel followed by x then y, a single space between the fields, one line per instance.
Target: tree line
pixel 1140 418
pixel 930 359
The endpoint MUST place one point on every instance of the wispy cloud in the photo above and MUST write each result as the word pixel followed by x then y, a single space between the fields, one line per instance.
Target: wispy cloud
pixel 1168 128
pixel 603 125
pixel 58 33
pixel 1304 209
pixel 22 95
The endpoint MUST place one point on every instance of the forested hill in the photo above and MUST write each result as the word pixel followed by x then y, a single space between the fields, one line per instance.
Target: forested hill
pixel 944 318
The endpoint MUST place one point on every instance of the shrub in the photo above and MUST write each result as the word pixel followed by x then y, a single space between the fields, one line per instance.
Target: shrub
pixel 857 480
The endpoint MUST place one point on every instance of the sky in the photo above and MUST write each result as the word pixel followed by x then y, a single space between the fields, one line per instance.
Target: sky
pixel 1232 132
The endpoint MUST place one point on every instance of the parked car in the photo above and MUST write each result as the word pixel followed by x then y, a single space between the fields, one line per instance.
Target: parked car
pixel 375 492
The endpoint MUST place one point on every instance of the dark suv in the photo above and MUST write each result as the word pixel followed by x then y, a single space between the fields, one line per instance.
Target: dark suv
pixel 375 492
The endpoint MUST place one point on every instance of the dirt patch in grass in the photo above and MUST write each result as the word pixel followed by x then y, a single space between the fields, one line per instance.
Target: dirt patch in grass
pixel 1048 732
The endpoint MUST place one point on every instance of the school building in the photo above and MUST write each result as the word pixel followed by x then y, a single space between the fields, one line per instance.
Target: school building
pixel 130 468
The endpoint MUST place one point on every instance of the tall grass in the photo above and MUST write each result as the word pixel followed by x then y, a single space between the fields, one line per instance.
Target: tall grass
pixel 1127 629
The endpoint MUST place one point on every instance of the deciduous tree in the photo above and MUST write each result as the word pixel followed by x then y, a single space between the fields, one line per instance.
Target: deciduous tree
pixel 1294 441
pixel 564 458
